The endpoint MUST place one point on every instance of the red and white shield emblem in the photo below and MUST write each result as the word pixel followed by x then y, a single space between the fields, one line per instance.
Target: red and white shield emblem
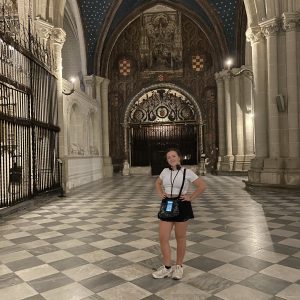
pixel 124 66
pixel 198 62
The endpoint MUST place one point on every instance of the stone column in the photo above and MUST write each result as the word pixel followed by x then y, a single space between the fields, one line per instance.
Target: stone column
pixel 292 174
pixel 270 29
pixel 126 166
pixel 57 39
pixel 248 116
pixel 228 159
pixel 94 83
pixel 97 82
pixel 221 118
pixel 255 36
pixel 272 164
pixel 290 21
pixel 107 164
pixel 239 156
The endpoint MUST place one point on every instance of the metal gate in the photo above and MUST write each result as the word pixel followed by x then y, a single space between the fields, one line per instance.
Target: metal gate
pixel 149 144
pixel 28 114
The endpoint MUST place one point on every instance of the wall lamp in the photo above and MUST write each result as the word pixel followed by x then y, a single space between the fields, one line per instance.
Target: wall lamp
pixel 229 63
pixel 72 79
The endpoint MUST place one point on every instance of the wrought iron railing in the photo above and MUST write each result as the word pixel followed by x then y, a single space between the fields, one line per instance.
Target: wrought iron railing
pixel 21 37
pixel 28 114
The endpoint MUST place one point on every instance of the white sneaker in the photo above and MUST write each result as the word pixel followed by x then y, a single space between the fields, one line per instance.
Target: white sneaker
pixel 177 272
pixel 162 272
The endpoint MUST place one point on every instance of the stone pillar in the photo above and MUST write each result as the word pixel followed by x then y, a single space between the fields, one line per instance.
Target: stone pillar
pixel 270 29
pixel 292 175
pixel 273 163
pixel 126 166
pixel 97 81
pixel 239 156
pixel 94 83
pixel 57 39
pixel 248 116
pixel 228 159
pixel 255 36
pixel 107 164
pixel 290 21
pixel 221 118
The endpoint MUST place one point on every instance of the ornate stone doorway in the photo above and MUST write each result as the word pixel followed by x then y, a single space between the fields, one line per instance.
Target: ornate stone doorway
pixel 157 120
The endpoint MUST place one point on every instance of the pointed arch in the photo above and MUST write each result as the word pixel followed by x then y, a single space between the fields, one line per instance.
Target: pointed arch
pixel 214 36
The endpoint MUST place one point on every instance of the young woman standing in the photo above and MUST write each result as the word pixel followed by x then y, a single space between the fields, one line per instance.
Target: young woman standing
pixel 168 184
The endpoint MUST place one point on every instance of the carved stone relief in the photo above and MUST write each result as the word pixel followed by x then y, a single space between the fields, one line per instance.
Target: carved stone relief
pixel 162 105
pixel 161 41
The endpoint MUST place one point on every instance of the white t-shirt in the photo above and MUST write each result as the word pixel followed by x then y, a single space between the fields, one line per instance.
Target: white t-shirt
pixel 174 178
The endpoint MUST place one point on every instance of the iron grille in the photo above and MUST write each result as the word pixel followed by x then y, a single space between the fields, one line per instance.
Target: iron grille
pixel 28 114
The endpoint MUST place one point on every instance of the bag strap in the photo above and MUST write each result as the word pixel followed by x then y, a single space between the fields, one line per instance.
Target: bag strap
pixel 184 171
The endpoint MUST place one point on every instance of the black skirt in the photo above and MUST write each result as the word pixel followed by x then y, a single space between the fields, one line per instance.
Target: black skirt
pixel 185 213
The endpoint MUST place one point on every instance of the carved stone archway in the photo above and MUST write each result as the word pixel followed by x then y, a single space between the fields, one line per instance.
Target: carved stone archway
pixel 164 108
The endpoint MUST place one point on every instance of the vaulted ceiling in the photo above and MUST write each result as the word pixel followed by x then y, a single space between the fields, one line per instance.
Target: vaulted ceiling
pixel 102 17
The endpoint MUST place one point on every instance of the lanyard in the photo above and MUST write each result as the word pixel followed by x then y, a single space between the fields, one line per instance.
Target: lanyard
pixel 172 181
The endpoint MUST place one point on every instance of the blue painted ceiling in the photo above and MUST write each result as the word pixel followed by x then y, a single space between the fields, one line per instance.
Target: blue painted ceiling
pixel 93 13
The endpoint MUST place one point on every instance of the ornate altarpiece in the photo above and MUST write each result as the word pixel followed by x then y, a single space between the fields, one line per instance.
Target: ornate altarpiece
pixel 158 48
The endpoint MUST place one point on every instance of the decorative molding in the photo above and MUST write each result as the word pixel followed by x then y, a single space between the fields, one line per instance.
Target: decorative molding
pixel 270 27
pixel 289 25
pixel 43 28
pixel 227 76
pixel 290 21
pixel 58 36
pixel 254 35
pixel 218 77
pixel 89 79
pixel 162 105
pixel 98 80
pixel 235 71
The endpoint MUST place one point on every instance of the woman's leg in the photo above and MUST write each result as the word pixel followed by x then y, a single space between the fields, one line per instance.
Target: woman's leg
pixel 180 234
pixel 165 229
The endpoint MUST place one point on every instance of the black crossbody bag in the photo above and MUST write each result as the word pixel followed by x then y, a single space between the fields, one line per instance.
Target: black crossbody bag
pixel 170 207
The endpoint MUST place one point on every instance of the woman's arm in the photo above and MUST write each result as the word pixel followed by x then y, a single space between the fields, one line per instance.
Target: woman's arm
pixel 200 187
pixel 159 188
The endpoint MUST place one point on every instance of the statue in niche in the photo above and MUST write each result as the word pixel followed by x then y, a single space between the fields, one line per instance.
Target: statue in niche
pixel 161 41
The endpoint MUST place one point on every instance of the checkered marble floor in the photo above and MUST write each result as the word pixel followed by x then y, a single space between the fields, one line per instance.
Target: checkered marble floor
pixel 101 242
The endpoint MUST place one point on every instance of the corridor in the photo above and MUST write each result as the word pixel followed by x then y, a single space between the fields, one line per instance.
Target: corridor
pixel 101 242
